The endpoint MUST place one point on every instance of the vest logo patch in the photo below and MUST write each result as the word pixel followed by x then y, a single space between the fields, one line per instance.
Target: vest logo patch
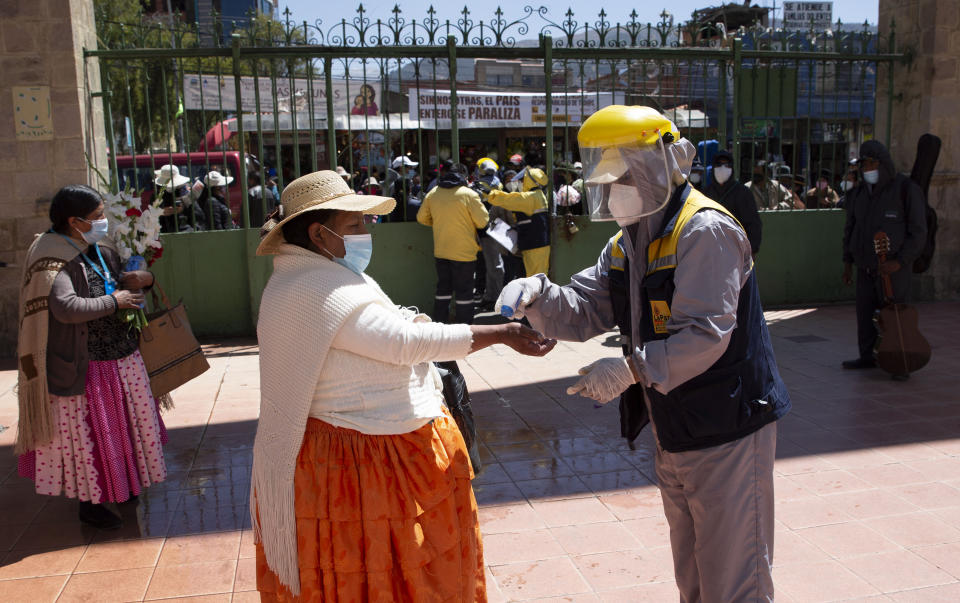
pixel 661 314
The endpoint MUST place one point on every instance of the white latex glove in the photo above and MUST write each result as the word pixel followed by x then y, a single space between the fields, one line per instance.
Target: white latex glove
pixel 527 290
pixel 604 379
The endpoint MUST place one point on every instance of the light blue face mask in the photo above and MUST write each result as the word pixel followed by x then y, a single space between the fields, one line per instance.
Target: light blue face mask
pixel 99 229
pixel 359 250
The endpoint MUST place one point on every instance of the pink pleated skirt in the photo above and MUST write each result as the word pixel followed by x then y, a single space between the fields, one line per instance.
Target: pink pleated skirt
pixel 108 444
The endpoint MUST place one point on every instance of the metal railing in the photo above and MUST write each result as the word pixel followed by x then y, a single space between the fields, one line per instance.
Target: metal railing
pixel 362 93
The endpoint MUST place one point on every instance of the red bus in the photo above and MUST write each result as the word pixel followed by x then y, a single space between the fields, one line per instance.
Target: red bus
pixel 137 172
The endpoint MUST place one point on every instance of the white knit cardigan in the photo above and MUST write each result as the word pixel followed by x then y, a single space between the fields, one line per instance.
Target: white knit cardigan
pixel 305 303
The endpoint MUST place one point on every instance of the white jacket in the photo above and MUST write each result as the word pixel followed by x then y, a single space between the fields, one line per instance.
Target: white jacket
pixel 378 377
pixel 368 381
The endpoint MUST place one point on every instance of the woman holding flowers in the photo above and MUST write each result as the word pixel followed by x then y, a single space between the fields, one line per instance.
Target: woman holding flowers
pixel 361 479
pixel 89 427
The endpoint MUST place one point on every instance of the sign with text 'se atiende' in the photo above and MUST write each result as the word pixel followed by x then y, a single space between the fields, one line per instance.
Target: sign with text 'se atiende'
pixel 801 15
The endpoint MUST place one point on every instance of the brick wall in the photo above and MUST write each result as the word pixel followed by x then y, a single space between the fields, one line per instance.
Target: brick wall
pixel 41 44
pixel 927 94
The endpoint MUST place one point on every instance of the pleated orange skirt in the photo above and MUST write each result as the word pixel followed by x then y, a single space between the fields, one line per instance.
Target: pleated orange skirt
pixel 383 518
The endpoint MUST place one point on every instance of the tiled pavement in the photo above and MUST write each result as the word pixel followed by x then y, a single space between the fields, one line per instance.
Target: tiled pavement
pixel 867 485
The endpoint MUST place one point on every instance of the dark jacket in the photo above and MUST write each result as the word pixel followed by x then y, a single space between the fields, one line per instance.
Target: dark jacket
pixel 894 205
pixel 738 200
pixel 255 201
pixel 71 308
pixel 222 219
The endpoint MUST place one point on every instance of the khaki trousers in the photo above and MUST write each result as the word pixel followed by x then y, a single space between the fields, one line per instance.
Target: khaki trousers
pixel 719 505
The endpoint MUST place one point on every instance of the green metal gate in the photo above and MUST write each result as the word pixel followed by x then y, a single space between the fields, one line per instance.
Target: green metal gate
pixel 767 89
pixel 365 93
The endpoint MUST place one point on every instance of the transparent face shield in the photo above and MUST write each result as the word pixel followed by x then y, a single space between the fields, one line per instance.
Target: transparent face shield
pixel 626 183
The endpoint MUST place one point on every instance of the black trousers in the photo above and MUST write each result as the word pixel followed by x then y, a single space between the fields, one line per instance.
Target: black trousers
pixel 512 267
pixel 870 298
pixel 454 281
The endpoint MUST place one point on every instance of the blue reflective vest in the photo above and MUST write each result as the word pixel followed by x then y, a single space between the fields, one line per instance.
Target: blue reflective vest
pixel 740 393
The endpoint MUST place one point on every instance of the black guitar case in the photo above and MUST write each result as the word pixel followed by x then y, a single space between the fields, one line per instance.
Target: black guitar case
pixel 928 151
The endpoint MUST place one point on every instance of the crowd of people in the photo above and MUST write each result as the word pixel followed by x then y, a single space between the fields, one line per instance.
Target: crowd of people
pixel 491 223
pixel 203 204
pixel 774 186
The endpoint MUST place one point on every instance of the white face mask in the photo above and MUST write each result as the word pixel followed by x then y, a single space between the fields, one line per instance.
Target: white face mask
pixel 872 177
pixel 630 203
pixel 846 185
pixel 623 202
pixel 97 232
pixel 694 178
pixel 722 173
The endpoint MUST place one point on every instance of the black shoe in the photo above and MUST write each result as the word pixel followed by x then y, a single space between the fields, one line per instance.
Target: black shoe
pixel 900 376
pixel 859 363
pixel 99 516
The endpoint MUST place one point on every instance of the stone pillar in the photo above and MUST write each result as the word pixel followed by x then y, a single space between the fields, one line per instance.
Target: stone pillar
pixel 926 97
pixel 41 44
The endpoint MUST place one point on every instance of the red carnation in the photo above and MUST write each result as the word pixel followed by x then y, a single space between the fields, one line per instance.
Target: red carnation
pixel 133 211
pixel 157 254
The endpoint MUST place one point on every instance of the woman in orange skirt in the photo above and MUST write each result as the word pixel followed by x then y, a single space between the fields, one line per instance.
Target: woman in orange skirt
pixel 361 480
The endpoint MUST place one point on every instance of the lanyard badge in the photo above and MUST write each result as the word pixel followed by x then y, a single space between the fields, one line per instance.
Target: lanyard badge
pixel 109 283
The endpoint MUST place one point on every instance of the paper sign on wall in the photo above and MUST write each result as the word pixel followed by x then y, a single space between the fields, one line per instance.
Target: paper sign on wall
pixel 32 114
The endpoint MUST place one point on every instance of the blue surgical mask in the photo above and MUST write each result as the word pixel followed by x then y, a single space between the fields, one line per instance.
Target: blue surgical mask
pixel 359 250
pixel 97 231
pixel 872 177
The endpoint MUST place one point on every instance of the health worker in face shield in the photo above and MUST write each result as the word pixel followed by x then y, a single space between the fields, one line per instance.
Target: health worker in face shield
pixel 533 218
pixel 697 360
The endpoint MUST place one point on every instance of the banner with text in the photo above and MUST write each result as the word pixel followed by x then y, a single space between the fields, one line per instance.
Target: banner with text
pixel 212 93
pixel 503 109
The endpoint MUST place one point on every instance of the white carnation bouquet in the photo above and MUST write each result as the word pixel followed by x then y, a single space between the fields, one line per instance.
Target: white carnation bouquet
pixel 136 233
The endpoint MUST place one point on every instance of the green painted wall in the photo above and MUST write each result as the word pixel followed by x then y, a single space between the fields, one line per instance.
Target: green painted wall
pixel 220 279
pixel 800 258
pixel 403 263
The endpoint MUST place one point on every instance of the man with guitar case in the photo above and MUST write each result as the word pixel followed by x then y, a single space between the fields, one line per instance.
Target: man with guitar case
pixel 892 203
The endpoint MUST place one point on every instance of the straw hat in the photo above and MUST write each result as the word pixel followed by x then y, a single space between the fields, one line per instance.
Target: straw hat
pixel 344 173
pixel 168 177
pixel 320 190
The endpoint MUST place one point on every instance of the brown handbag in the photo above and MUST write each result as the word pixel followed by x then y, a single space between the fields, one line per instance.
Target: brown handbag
pixel 170 352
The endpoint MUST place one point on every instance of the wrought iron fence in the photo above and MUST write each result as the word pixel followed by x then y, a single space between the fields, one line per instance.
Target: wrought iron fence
pixel 388 99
